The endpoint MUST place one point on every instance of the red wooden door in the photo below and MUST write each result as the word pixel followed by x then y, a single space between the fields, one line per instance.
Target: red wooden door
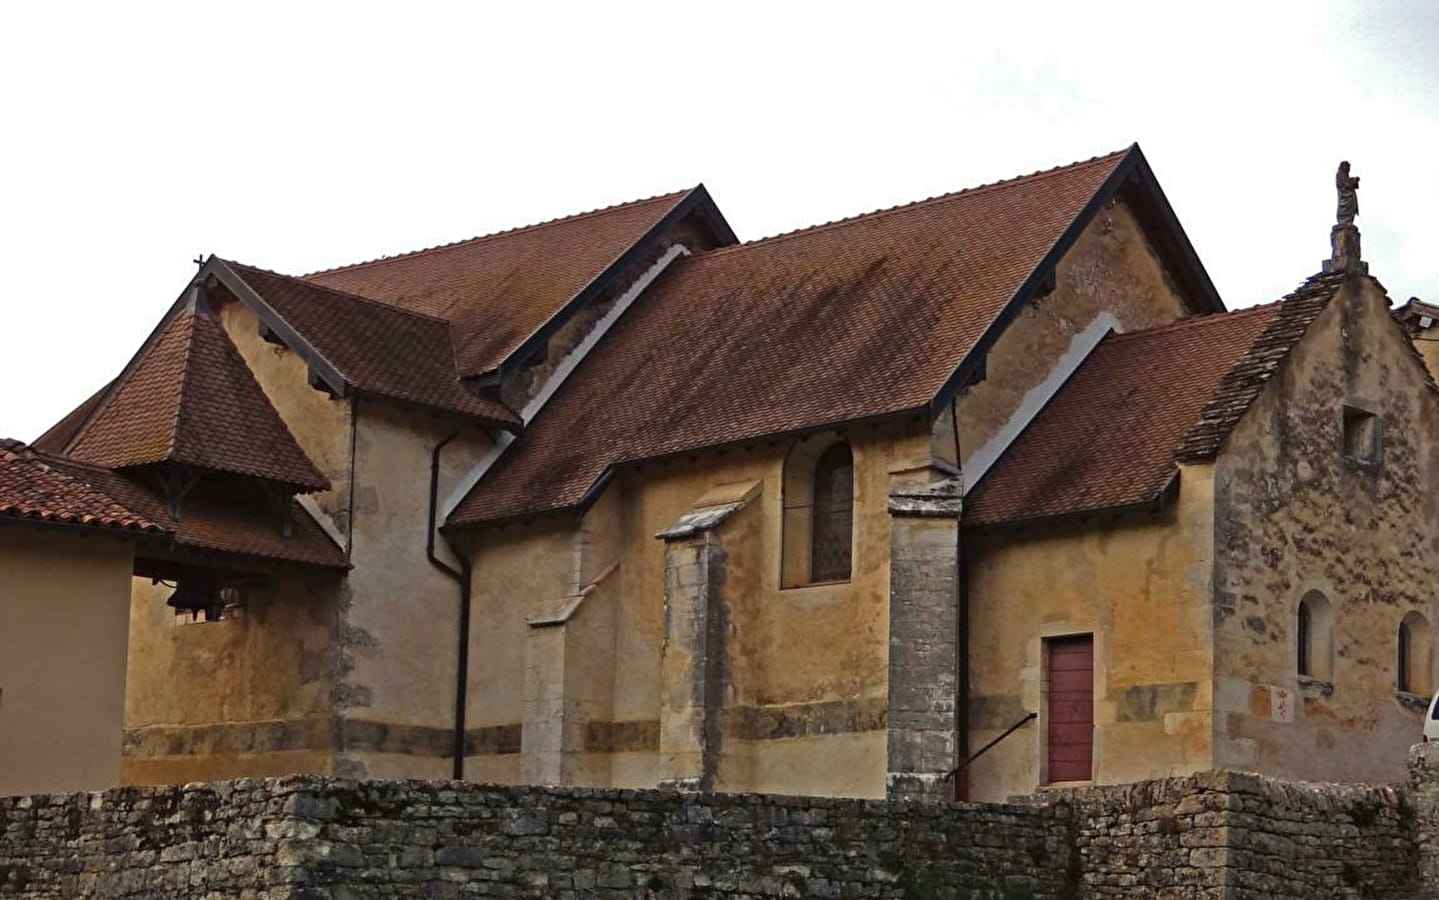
pixel 1071 708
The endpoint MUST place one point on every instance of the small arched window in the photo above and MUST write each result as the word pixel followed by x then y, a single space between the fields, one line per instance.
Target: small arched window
pixel 1414 662
pixel 831 536
pixel 1313 638
pixel 818 512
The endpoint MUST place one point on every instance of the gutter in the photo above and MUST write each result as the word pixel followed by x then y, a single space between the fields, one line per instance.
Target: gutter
pixel 460 576
pixel 961 662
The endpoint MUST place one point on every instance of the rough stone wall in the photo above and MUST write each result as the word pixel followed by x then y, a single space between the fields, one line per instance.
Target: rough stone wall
pixel 226 839
pixel 1296 514
pixel 1200 837
pixel 1228 834
pixel 310 838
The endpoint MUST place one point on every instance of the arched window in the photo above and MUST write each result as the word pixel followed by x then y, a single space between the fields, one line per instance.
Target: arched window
pixel 1414 662
pixel 818 512
pixel 832 531
pixel 1313 638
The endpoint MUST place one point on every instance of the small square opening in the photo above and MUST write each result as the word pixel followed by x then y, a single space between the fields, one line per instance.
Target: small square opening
pixel 1361 434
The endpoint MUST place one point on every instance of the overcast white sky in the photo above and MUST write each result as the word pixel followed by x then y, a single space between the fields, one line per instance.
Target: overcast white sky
pixel 299 136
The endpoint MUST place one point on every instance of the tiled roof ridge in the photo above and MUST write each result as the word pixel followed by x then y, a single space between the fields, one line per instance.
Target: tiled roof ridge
pixel 339 292
pixel 1198 321
pixel 507 232
pixel 44 456
pixel 127 373
pixel 1241 384
pixel 188 318
pixel 916 204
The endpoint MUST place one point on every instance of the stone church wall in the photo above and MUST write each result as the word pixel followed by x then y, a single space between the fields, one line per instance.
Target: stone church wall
pixel 1302 516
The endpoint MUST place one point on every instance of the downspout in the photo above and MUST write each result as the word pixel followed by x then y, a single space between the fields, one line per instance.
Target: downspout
pixel 961 663
pixel 462 577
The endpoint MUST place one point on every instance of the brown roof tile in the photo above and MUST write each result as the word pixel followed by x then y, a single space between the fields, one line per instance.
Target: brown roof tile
pixel 188 397
pixel 1110 436
pixel 498 289
pixel 378 348
pixel 855 319
pixel 31 489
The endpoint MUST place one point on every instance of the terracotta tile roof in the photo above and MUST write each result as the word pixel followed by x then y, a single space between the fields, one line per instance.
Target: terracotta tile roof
pixel 377 348
pixel 498 289
pixel 866 317
pixel 1110 437
pixel 208 524
pixel 188 397
pixel 31 489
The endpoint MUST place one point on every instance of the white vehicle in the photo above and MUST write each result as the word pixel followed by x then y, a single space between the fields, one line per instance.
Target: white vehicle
pixel 1431 720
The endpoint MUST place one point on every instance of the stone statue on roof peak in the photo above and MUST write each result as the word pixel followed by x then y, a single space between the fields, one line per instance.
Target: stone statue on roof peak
pixel 1348 187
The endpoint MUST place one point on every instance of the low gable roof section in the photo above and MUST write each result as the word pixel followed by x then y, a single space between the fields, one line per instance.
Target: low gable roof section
pixel 33 491
pixel 371 347
pixel 879 315
pixel 500 290
pixel 208 525
pixel 188 397
pixel 1141 402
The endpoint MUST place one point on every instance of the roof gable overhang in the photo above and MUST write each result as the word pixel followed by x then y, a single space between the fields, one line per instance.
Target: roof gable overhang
pixel 697 202
pixel 1133 181
pixel 324 373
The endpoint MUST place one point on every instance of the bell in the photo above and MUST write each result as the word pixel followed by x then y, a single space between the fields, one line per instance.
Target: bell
pixel 196 595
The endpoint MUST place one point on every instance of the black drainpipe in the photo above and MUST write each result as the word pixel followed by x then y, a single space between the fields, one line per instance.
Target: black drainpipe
pixel 462 577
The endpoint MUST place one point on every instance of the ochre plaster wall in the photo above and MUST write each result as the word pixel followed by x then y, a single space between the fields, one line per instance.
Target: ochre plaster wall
pixel 320 423
pixel 1111 269
pixel 399 616
pixel 805 675
pixel 1140 584
pixel 62 660
pixel 241 697
pixel 1294 515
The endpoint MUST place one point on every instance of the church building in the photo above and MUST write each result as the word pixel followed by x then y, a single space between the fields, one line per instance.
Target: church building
pixel 967 497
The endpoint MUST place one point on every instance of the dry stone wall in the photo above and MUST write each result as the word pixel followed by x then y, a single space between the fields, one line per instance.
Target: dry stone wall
pixel 312 838
pixel 1229 834
pixel 1203 837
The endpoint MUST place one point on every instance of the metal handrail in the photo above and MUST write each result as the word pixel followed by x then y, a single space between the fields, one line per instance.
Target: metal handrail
pixel 982 750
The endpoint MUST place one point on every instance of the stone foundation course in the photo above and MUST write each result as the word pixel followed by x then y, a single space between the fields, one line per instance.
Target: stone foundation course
pixel 1218 835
